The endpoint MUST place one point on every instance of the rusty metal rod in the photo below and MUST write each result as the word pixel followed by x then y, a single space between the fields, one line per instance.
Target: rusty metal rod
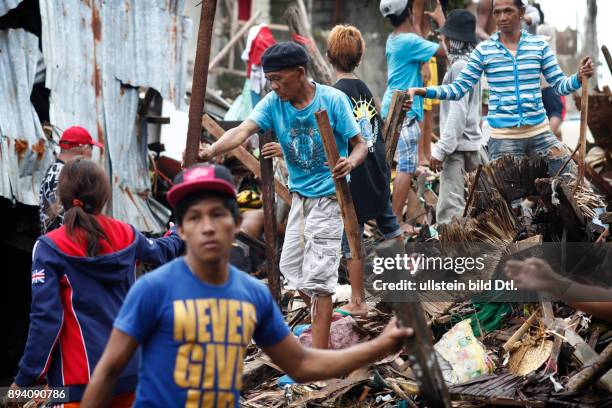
pixel 200 78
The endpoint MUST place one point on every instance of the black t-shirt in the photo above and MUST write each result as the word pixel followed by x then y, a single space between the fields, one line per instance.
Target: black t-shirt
pixel 370 181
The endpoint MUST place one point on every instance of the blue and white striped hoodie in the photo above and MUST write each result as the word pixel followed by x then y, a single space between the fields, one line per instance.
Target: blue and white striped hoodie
pixel 514 83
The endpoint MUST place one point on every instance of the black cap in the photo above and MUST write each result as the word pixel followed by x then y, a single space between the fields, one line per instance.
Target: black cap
pixel 283 55
pixel 460 25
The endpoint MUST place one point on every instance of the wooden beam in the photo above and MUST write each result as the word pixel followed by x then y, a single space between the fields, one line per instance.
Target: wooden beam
pixel 586 356
pixel 230 44
pixel 393 125
pixel 351 227
pixel 267 195
pixel 245 157
pixel 593 372
pixel 607 56
pixel 419 347
pixel 200 77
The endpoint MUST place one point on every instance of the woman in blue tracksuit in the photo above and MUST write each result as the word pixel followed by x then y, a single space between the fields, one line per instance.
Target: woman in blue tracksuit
pixel 81 274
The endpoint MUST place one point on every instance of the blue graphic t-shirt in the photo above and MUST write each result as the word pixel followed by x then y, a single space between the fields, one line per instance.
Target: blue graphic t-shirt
pixel 194 335
pixel 298 135
pixel 405 53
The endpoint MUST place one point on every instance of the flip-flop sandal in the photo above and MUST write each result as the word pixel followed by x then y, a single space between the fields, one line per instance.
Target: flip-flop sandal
pixel 345 313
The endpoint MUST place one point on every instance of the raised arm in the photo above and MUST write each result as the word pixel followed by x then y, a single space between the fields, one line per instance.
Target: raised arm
pixel 46 316
pixel 229 141
pixel 307 364
pixel 118 352
pixel 558 81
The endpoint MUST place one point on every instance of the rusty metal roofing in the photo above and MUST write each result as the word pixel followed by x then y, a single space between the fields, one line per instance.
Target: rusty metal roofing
pixel 97 53
pixel 8 5
pixel 23 152
pixel 154 36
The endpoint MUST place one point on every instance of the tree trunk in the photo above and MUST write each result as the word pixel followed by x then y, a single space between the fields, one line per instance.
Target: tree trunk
pixel 297 21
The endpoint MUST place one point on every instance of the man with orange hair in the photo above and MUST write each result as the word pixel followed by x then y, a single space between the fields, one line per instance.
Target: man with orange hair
pixel 369 181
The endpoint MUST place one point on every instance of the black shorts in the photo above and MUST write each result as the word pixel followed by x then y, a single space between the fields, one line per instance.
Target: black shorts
pixel 552 103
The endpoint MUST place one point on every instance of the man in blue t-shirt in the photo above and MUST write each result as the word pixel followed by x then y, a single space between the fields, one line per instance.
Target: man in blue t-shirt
pixel 195 316
pixel 406 51
pixel 311 250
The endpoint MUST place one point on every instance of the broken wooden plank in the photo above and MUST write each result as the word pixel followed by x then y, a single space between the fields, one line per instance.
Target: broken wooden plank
pixel 509 345
pixel 420 349
pixel 586 356
pixel 345 200
pixel 200 77
pixel 394 122
pixel 267 196
pixel 256 372
pixel 245 157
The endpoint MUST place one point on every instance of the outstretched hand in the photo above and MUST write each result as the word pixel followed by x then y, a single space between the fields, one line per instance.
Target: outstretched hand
pixel 532 274
pixel 586 68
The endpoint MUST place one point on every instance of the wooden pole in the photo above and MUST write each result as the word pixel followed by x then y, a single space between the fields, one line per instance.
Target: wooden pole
pixel 393 124
pixel 351 227
pixel 267 195
pixel 607 56
pixel 245 157
pixel 593 372
pixel 584 114
pixel 200 77
pixel 419 347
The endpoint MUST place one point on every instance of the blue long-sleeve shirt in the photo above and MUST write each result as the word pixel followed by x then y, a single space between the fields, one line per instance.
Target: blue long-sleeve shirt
pixel 514 82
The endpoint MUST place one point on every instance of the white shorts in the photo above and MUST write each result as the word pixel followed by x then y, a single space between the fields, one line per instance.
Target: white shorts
pixel 311 251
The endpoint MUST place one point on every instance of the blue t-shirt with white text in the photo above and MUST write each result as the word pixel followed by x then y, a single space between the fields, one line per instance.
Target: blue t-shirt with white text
pixel 298 135
pixel 405 53
pixel 194 335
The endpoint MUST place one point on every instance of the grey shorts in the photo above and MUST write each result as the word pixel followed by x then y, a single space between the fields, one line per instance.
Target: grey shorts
pixel 311 251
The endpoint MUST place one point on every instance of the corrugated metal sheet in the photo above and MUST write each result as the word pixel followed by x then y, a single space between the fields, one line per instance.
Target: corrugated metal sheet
pixel 89 76
pixel 8 5
pixel 24 155
pixel 155 36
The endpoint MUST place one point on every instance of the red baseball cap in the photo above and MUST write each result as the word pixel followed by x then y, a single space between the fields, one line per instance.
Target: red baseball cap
pixel 201 177
pixel 77 136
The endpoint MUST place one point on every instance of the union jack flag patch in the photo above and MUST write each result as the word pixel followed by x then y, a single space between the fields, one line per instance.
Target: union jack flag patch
pixel 38 276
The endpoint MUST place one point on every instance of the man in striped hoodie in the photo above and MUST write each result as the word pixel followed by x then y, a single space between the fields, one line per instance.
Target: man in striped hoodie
pixel 513 61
